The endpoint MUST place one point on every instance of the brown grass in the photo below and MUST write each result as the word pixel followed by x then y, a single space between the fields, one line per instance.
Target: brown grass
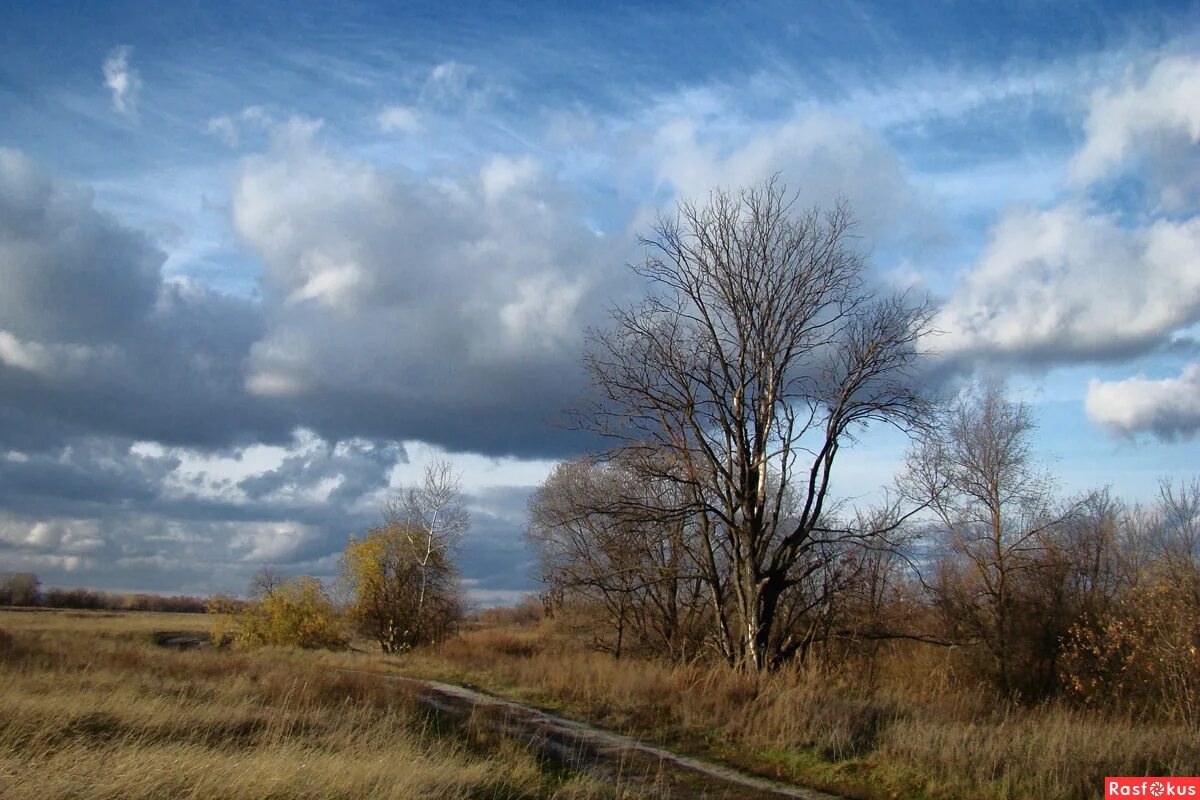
pixel 904 729
pixel 90 709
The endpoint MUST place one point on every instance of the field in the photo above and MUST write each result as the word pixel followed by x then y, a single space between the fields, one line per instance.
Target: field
pixel 905 728
pixel 91 708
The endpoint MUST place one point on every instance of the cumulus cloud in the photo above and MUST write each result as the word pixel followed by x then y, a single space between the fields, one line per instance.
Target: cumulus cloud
pixel 443 310
pixel 122 80
pixel 1061 285
pixel 1155 122
pixel 93 339
pixel 1168 408
pixel 822 157
pixel 449 311
pixel 1071 283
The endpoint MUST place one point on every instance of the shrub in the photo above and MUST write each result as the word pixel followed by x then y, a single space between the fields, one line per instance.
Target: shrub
pixel 1145 655
pixel 298 613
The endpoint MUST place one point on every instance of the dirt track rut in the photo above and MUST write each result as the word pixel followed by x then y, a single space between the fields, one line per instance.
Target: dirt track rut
pixel 597 751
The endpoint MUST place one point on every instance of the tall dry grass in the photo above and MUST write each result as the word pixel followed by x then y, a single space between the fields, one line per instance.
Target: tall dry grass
pixel 91 709
pixel 900 727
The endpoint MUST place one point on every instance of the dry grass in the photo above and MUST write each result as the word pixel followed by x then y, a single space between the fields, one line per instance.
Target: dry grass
pixel 906 729
pixel 90 708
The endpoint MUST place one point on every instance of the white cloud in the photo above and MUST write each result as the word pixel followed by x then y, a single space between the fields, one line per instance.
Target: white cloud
pixel 1168 408
pixel 122 80
pixel 272 543
pixel 1156 120
pixel 1060 285
pixel 399 119
pixel 501 175
pixel 58 535
pixel 225 128
pixel 820 156
pixel 453 85
pixel 432 299
pixel 50 360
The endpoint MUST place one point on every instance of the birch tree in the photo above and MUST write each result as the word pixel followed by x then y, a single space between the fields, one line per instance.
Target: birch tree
pixel 402 575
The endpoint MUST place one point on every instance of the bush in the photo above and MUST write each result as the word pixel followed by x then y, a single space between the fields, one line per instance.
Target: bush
pixel 298 613
pixel 1144 655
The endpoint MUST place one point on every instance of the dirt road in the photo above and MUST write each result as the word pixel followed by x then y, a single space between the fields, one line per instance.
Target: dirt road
pixel 610 756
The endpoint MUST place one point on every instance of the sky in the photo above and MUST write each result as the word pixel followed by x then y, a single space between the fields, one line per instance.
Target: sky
pixel 260 263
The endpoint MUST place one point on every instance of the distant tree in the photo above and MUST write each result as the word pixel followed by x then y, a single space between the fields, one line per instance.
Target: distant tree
pixel 997 510
pixel 402 595
pixel 19 589
pixel 265 581
pixel 401 576
pixel 603 537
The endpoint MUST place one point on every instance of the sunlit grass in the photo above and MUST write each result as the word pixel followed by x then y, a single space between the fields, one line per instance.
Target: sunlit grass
pixel 91 708
pixel 909 731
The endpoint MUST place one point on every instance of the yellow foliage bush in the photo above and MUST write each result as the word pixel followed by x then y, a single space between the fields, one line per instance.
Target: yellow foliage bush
pixel 1145 654
pixel 297 613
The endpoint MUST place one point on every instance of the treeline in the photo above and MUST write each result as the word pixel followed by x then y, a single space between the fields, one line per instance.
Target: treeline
pixel 24 589
pixel 1088 598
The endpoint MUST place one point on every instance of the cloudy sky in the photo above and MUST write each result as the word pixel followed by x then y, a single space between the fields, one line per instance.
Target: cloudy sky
pixel 259 264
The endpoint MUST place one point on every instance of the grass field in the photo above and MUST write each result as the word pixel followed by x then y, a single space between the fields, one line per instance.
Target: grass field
pixel 91 708
pixel 907 731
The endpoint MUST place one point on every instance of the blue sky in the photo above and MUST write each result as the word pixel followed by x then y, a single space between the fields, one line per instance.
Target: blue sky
pixel 263 262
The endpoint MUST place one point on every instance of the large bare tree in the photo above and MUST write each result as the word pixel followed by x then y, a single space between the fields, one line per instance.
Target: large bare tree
pixel 759 352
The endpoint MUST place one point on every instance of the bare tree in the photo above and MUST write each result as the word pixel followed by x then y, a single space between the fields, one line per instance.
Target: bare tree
pixel 1179 541
pixel 996 506
pixel 265 582
pixel 758 354
pixel 602 537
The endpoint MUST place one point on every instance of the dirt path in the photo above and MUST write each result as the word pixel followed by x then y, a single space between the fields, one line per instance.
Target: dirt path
pixel 599 752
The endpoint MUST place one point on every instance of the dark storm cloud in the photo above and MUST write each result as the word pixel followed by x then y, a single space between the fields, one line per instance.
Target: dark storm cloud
pixel 494 557
pixel 94 341
pixel 392 310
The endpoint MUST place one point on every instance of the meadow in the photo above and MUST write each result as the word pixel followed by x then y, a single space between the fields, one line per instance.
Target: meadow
pixel 904 725
pixel 91 708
